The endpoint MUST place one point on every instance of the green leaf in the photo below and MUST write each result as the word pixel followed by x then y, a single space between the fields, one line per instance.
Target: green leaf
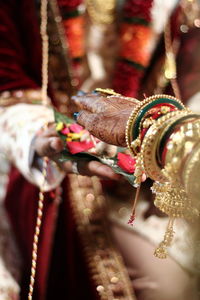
pixel 65 155
pixel 62 118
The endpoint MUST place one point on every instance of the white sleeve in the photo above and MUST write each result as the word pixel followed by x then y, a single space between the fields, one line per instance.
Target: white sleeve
pixel 18 126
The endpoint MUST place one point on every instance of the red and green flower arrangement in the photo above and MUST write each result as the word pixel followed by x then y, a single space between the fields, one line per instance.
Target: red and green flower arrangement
pixel 79 144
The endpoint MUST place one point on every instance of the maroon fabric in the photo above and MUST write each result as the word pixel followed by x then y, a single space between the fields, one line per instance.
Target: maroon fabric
pixel 61 270
pixel 21 204
pixel 20 55
pixel 69 5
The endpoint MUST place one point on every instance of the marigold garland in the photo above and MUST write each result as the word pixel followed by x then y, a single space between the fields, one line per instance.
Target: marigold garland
pixel 134 56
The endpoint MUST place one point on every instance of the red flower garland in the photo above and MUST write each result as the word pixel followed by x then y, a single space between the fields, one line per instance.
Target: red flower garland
pixel 138 8
pixel 135 35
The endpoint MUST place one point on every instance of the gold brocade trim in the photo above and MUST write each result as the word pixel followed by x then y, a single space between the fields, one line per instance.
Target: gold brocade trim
pixel 29 96
pixel 101 12
pixel 105 263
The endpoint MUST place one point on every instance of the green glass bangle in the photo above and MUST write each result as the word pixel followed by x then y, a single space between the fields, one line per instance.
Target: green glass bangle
pixel 135 131
pixel 167 134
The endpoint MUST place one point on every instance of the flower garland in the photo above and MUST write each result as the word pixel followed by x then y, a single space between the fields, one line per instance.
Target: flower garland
pixel 76 137
pixel 134 55
pixel 135 37
pixel 78 142
pixel 74 26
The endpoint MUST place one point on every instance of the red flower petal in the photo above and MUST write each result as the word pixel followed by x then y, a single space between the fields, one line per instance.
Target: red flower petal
pixel 76 147
pixel 65 131
pixel 75 128
pixel 126 162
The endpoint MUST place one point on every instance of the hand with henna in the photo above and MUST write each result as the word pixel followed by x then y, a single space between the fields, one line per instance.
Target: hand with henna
pixel 105 116
pixel 48 143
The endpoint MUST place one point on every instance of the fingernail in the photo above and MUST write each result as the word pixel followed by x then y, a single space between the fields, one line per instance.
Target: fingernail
pixel 80 93
pixel 95 92
pixel 75 116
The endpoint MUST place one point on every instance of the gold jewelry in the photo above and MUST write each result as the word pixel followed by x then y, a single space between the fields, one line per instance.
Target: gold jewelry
pixel 101 12
pixel 45 47
pixel 107 91
pixel 171 198
pixel 130 124
pixel 190 173
pixel 37 231
pixel 181 156
pixel 133 144
pixel 161 250
pixel 149 145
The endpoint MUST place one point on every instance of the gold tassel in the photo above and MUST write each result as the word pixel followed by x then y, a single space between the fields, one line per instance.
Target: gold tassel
pixel 161 250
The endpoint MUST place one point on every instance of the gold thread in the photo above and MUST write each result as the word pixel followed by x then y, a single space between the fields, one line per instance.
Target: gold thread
pixel 105 264
pixel 37 231
pixel 45 101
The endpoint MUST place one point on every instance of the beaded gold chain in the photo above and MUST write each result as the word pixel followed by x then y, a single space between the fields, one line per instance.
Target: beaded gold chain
pixel 45 101
pixel 37 231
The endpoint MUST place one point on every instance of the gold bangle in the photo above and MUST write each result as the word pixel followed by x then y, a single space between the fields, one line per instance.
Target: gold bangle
pixel 130 123
pixel 132 144
pixel 179 150
pixel 164 131
pixel 149 146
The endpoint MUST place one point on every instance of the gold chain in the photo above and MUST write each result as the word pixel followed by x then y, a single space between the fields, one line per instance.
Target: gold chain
pixel 45 101
pixel 37 231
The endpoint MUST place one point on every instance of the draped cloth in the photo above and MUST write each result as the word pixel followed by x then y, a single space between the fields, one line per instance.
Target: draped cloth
pixel 20 61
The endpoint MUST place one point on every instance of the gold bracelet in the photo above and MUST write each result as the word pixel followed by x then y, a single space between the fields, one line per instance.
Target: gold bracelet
pixel 165 130
pixel 179 148
pixel 149 145
pixel 133 144
pixel 130 124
